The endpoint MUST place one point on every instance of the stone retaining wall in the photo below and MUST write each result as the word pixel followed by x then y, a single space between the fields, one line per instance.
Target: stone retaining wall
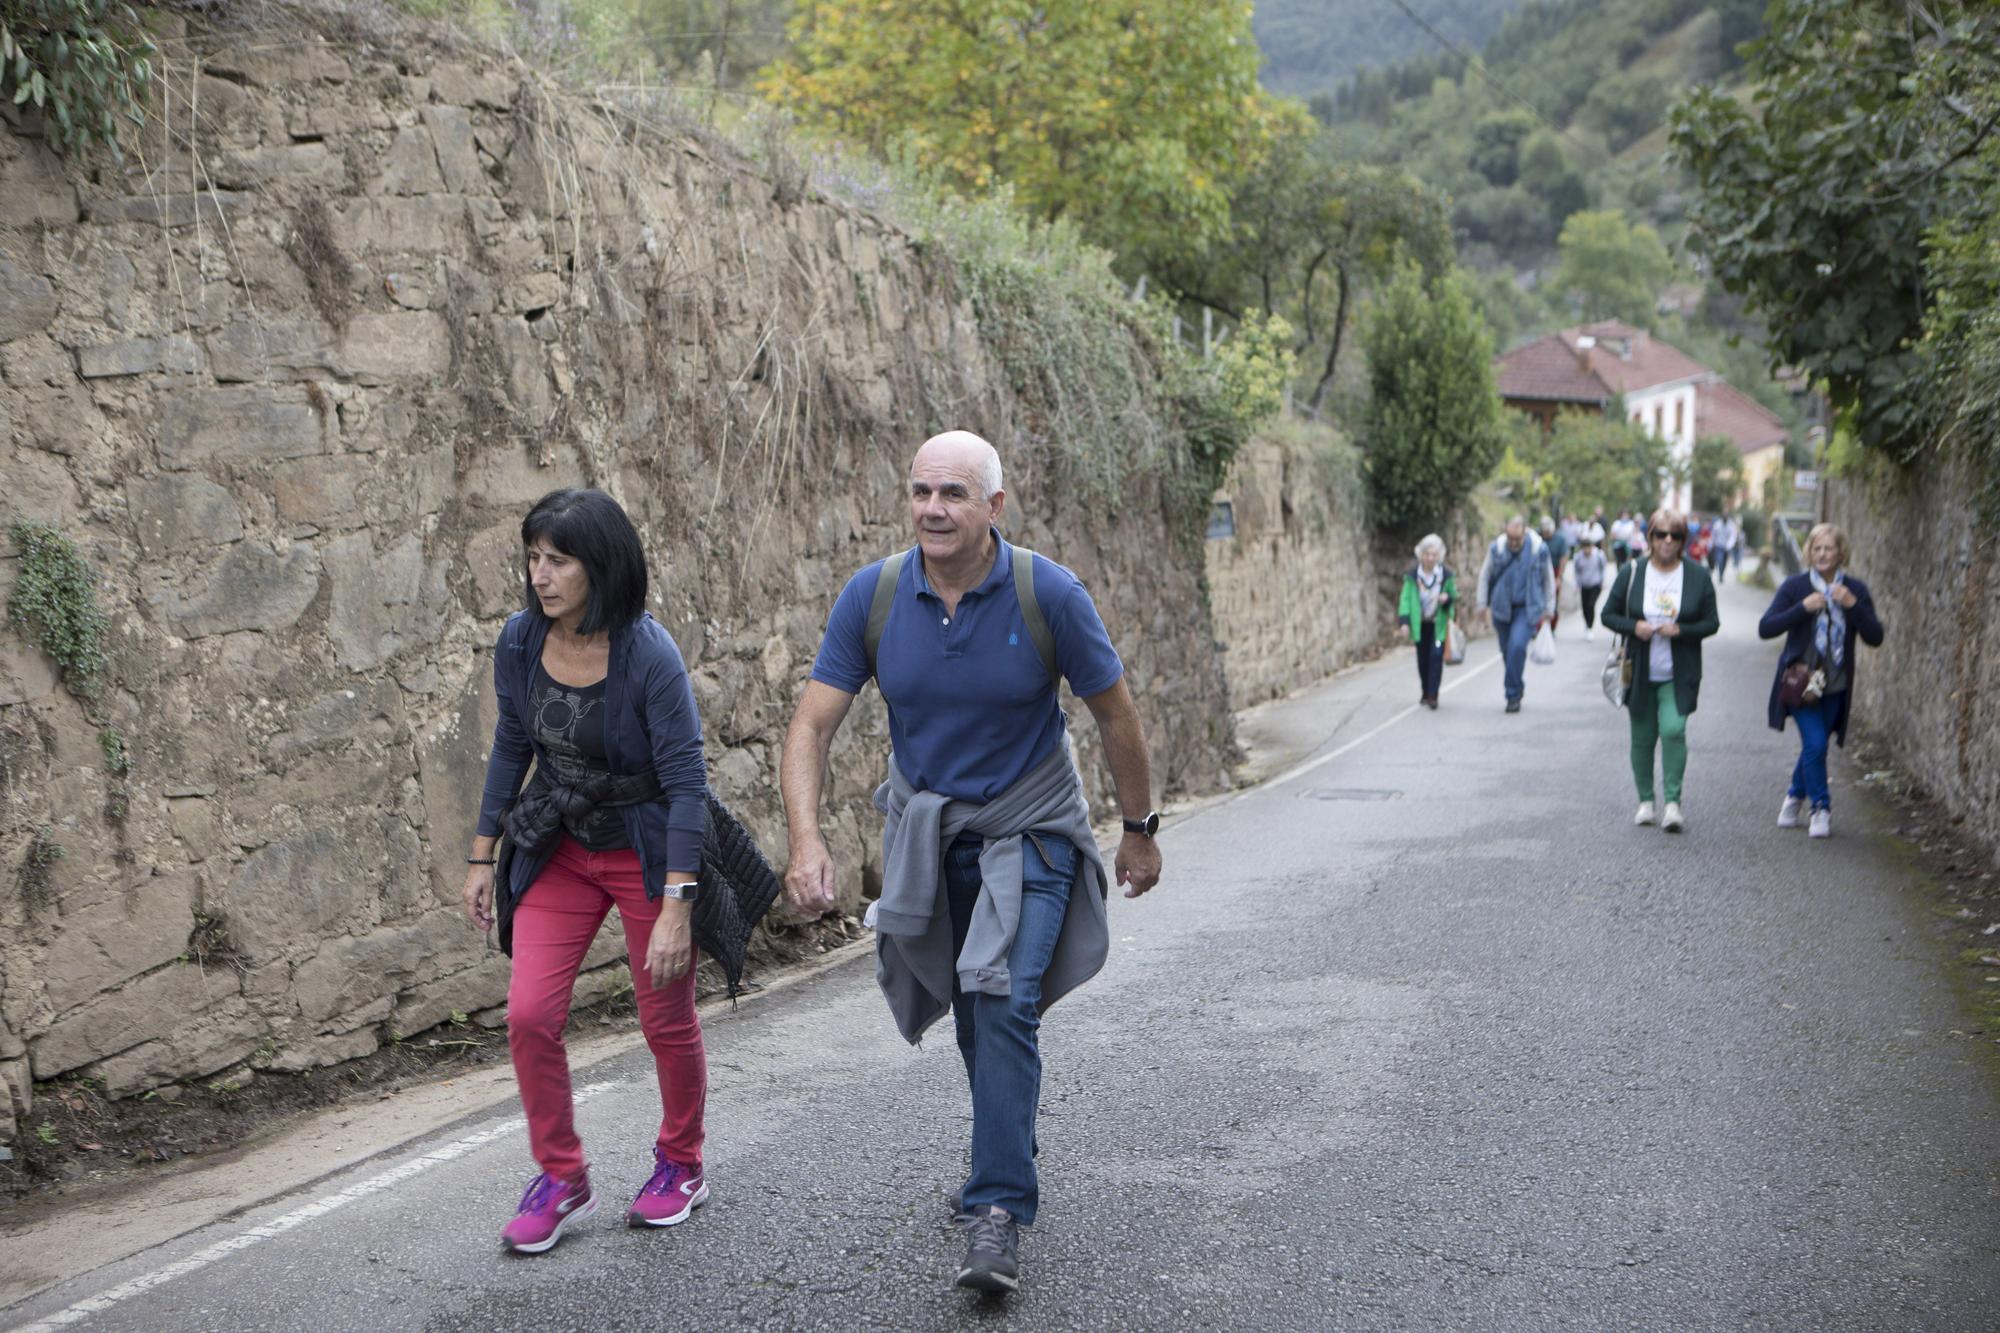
pixel 291 375
pixel 1930 695
pixel 1295 590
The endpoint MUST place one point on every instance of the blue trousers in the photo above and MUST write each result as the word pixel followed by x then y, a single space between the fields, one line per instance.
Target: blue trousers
pixel 1514 636
pixel 1430 658
pixel 1815 722
pixel 998 1034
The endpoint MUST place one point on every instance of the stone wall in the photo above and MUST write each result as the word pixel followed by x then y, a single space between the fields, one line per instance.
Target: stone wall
pixel 1930 696
pixel 1295 592
pixel 290 376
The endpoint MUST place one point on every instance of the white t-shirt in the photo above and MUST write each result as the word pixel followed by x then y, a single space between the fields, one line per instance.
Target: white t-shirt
pixel 1661 603
pixel 1624 530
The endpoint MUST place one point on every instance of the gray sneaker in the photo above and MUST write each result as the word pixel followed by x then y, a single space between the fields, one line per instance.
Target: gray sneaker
pixel 992 1252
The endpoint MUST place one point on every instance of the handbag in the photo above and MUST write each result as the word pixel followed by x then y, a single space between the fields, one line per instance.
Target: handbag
pixel 1803 680
pixel 1616 678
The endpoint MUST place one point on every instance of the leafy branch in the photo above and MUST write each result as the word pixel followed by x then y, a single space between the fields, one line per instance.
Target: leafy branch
pixel 82 63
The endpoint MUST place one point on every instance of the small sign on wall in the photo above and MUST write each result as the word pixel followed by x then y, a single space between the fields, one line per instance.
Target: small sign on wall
pixel 1221 521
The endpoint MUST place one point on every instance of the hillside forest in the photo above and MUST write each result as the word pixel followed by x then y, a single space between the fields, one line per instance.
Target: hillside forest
pixel 1282 195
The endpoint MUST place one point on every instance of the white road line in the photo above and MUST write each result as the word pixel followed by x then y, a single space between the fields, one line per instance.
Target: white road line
pixel 1309 765
pixel 242 1240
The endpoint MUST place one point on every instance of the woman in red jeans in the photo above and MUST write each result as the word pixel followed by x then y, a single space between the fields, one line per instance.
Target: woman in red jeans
pixel 594 691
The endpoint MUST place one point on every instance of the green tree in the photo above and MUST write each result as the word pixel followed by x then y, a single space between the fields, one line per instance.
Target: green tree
pixel 1496 144
pixel 1588 459
pixel 1125 118
pixel 1863 134
pixel 1715 474
pixel 1432 426
pixel 1310 232
pixel 1611 269
pixel 1541 161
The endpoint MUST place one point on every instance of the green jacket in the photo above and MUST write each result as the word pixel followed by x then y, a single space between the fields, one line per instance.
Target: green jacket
pixel 1410 609
pixel 1698 619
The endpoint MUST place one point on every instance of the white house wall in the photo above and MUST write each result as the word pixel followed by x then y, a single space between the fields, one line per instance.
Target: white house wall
pixel 1666 411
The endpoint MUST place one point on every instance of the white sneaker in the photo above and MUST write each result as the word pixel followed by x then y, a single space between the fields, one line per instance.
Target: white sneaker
pixel 1590 634
pixel 1671 821
pixel 1822 824
pixel 1645 815
pixel 1788 813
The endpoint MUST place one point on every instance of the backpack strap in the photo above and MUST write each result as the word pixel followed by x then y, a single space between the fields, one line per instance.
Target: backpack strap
pixel 878 605
pixel 884 597
pixel 1031 610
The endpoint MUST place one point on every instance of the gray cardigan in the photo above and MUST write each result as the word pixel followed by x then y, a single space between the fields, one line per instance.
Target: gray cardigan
pixel 913 958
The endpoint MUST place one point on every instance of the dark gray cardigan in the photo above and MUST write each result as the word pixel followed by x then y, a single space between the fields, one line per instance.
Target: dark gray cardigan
pixel 650 722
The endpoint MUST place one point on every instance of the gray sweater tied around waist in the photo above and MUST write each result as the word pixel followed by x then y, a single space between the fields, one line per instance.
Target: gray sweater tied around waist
pixel 913 958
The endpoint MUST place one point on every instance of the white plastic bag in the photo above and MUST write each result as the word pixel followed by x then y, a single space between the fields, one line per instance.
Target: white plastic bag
pixel 1542 652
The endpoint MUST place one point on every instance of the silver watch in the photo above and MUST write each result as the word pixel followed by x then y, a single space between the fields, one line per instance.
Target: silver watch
pixel 685 893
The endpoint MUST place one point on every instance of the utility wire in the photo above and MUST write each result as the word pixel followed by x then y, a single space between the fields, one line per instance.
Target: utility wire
pixel 1474 65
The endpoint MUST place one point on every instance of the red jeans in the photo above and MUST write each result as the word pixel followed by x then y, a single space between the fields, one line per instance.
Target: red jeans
pixel 554 925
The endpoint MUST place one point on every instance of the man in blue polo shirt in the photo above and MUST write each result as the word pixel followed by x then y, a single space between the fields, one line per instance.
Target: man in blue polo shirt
pixel 993 892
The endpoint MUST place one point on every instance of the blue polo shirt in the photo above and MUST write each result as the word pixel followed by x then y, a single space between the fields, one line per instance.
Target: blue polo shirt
pixel 971 707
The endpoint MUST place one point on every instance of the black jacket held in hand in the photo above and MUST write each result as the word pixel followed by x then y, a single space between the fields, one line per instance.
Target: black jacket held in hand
pixel 1699 618
pixel 1788 616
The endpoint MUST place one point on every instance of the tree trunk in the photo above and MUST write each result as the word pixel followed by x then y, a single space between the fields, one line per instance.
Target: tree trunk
pixel 1333 349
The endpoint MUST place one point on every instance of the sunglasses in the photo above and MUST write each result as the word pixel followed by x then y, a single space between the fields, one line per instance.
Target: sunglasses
pixel 1672 534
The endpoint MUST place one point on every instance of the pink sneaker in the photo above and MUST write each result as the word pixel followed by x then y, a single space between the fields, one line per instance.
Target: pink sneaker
pixel 670 1196
pixel 548 1207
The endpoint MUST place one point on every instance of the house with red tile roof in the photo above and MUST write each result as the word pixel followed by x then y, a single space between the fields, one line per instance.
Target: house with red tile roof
pixel 1665 392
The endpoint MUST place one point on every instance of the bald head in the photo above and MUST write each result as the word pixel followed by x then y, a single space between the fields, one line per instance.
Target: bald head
pixel 960 451
pixel 1517 531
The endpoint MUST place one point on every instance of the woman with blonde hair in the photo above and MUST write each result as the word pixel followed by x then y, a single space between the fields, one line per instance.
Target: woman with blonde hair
pixel 1815 609
pixel 1428 590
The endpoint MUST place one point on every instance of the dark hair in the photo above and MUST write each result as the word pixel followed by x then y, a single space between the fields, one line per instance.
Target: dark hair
pixel 590 527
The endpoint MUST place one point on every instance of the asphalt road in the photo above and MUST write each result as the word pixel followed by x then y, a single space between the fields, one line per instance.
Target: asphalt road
pixel 1426 1037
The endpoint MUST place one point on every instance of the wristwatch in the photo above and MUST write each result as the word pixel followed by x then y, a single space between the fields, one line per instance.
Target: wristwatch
pixel 685 893
pixel 1147 826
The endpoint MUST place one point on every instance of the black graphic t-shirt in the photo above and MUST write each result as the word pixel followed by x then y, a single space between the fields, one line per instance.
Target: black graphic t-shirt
pixel 569 729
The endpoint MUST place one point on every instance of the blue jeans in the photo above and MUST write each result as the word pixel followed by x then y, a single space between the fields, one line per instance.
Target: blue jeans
pixel 997 1034
pixel 1514 636
pixel 1815 722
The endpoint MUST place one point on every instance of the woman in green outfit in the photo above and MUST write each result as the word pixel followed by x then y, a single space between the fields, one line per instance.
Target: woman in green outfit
pixel 1428 590
pixel 1665 606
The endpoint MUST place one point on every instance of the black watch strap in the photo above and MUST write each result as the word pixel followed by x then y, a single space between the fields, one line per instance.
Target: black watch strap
pixel 1147 826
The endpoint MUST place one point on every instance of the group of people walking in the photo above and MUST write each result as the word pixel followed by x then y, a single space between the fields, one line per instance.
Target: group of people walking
pixel 993 896
pixel 993 901
pixel 1662 608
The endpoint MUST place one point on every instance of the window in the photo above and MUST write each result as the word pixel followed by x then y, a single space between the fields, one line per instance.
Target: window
pixel 1680 406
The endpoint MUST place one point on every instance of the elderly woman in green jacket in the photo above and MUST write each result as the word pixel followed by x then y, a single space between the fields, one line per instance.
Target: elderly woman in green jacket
pixel 1428 589
pixel 1665 606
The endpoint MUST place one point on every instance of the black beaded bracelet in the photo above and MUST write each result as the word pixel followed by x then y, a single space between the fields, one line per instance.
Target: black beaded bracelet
pixel 478 861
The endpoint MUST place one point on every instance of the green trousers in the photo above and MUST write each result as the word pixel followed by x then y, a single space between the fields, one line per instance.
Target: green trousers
pixel 1657 721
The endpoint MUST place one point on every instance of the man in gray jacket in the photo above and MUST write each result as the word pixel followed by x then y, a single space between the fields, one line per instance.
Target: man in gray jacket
pixel 993 892
pixel 1517 595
